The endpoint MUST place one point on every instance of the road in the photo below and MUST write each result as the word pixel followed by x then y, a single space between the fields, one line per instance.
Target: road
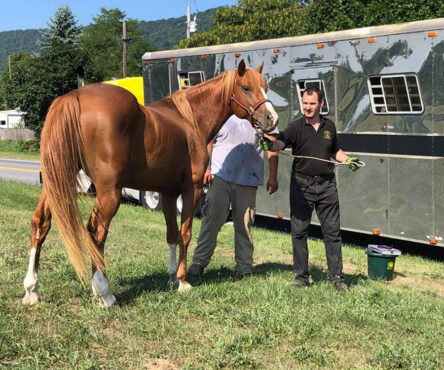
pixel 20 170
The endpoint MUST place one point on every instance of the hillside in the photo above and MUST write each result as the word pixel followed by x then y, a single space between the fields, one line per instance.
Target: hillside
pixel 18 40
pixel 165 33
pixel 162 34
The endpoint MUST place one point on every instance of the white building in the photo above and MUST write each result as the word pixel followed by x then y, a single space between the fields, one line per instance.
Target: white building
pixel 11 118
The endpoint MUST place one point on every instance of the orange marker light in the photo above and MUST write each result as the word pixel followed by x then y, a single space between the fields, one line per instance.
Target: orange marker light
pixel 371 41
pixel 433 241
pixel 237 55
pixel 376 232
pixel 145 62
pixel 320 46
pixel 276 51
pixel 280 215
pixel 172 60
pixel 203 57
pixel 432 34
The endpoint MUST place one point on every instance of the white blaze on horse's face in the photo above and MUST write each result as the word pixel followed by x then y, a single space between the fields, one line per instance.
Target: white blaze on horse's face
pixel 271 113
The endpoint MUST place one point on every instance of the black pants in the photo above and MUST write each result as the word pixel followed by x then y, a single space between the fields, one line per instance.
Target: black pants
pixel 306 194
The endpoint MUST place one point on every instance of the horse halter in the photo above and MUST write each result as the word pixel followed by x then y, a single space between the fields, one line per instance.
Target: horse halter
pixel 249 110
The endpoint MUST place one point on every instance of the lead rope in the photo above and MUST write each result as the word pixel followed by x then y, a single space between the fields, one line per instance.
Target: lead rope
pixel 336 163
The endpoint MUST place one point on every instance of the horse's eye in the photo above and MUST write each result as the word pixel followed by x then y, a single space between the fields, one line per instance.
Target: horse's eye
pixel 246 88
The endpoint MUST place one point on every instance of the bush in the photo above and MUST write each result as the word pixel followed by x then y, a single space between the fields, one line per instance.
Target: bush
pixel 27 145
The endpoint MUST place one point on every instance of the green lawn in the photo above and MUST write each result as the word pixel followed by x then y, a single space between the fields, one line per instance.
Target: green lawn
pixel 259 322
pixel 20 149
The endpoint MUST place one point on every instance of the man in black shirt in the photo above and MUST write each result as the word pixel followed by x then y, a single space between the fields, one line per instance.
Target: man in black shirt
pixel 313 185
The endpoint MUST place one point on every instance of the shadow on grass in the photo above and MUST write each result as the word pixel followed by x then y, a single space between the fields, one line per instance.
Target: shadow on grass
pixel 134 287
pixel 318 275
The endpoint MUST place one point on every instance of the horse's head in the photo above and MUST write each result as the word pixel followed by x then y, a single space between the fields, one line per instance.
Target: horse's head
pixel 249 99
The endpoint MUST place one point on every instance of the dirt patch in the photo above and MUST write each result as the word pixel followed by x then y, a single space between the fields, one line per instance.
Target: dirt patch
pixel 160 364
pixel 419 283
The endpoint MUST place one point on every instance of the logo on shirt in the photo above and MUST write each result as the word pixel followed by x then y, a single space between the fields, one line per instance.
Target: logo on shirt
pixel 327 135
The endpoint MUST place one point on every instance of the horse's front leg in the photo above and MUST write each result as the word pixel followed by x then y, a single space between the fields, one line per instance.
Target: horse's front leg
pixel 190 198
pixel 170 212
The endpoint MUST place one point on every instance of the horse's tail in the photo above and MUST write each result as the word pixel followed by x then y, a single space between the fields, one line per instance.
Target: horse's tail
pixel 62 156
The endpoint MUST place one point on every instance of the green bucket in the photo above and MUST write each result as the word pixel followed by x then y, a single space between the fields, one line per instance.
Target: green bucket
pixel 381 261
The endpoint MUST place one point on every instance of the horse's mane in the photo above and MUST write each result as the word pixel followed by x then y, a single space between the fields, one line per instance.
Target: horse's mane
pixel 180 97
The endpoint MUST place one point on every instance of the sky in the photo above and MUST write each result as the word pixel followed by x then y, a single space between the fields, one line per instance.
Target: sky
pixel 26 14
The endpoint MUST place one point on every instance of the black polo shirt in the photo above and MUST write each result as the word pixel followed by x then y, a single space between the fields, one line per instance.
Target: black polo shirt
pixel 306 141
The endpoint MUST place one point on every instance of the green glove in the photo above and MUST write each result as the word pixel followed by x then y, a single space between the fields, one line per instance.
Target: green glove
pixel 353 163
pixel 265 144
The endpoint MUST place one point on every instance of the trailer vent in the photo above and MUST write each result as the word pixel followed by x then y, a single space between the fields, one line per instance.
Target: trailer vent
pixel 187 79
pixel 395 94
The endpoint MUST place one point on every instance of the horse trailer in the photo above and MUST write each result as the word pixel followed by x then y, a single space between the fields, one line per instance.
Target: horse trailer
pixel 384 91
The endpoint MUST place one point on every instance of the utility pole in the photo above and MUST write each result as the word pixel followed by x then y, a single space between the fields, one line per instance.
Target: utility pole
pixel 191 24
pixel 188 21
pixel 125 40
pixel 9 66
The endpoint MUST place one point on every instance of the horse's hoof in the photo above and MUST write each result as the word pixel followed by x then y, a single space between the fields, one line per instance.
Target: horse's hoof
pixel 173 280
pixel 30 299
pixel 107 301
pixel 184 287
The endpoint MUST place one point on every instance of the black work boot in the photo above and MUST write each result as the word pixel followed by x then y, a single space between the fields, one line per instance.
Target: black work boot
pixel 339 282
pixel 300 283
pixel 195 269
pixel 238 275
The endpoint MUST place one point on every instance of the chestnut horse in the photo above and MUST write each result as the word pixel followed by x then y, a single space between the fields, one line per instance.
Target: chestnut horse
pixel 118 143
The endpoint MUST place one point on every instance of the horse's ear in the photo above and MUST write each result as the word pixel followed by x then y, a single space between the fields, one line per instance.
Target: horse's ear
pixel 259 69
pixel 241 68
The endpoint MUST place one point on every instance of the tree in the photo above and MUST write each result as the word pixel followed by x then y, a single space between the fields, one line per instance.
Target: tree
pixel 264 19
pixel 37 80
pixel 378 12
pixel 252 20
pixel 102 41
pixel 63 28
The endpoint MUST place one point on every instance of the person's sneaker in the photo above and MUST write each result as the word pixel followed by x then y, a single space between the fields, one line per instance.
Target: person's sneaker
pixel 298 283
pixel 339 282
pixel 195 269
pixel 242 275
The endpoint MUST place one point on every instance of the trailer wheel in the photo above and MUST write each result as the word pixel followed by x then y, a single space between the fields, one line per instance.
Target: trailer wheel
pixel 151 200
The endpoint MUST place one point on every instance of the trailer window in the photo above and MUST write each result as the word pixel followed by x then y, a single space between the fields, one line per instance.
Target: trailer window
pixel 307 84
pixel 395 94
pixel 187 79
pixel 2 123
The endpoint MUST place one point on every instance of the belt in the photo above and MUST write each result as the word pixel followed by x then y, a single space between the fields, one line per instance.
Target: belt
pixel 320 178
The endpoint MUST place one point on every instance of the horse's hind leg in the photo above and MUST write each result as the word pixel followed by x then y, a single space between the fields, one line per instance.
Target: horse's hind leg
pixel 40 225
pixel 106 205
pixel 170 213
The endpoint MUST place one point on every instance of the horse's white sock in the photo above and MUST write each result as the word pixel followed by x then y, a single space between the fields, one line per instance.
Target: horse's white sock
pixel 31 281
pixel 100 288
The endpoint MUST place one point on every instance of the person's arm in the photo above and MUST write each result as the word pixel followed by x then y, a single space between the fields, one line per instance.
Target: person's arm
pixel 341 156
pixel 353 162
pixel 207 175
pixel 273 162
pixel 271 145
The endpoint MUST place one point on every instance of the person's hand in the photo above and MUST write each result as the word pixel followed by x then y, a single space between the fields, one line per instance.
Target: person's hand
pixel 272 185
pixel 265 144
pixel 353 163
pixel 207 177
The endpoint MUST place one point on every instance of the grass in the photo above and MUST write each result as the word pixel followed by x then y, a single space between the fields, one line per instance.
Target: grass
pixel 260 322
pixel 20 149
